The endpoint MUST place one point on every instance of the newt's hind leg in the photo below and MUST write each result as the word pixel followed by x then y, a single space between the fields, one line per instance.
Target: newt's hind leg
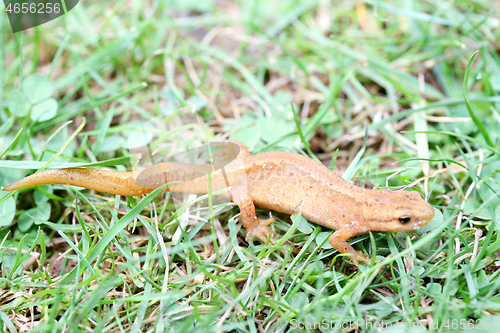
pixel 255 227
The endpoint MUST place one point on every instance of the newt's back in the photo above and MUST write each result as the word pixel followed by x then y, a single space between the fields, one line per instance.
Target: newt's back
pixel 288 182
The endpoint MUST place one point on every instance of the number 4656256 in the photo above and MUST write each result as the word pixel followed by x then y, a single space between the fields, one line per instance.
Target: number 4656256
pixel 33 8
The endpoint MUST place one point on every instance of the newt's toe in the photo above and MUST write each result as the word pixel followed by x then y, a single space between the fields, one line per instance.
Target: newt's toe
pixel 358 256
pixel 262 232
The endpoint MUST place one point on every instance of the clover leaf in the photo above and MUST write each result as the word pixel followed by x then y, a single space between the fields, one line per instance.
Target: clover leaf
pixel 35 95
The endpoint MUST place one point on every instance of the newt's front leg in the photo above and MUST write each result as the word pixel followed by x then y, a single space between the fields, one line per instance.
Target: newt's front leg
pixel 255 227
pixel 338 241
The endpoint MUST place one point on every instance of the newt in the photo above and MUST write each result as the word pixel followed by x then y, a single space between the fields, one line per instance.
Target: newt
pixel 280 181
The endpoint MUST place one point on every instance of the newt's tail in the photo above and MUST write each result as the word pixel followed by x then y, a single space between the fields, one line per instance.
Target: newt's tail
pixel 112 182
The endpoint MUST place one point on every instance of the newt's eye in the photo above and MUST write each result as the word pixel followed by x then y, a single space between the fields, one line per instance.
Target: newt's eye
pixel 404 219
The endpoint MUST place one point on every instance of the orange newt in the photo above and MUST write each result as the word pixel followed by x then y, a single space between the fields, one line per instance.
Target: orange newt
pixel 280 181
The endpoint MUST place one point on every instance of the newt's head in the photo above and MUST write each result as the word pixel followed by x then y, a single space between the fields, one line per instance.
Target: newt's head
pixel 397 211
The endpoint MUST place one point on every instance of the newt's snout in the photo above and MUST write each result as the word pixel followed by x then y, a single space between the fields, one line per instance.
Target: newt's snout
pixel 398 211
pixel 428 214
pixel 419 214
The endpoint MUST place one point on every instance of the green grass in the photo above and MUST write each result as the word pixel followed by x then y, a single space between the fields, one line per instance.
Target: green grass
pixel 405 72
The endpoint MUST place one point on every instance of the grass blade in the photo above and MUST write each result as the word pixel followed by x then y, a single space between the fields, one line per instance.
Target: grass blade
pixel 475 119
